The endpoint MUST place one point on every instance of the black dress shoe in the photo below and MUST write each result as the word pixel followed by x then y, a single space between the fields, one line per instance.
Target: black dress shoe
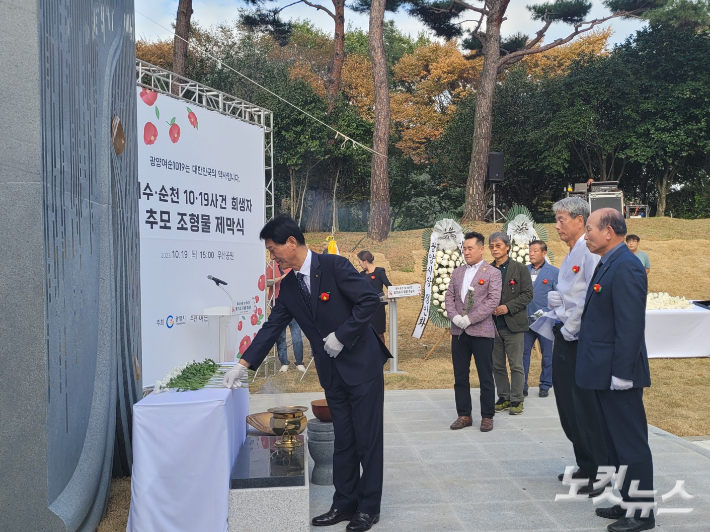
pixel 331 517
pixel 615 512
pixel 631 524
pixel 590 491
pixel 576 474
pixel 544 392
pixel 361 522
pixel 525 393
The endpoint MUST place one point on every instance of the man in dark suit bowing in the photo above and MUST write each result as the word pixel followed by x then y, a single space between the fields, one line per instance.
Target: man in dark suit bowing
pixel 334 305
pixel 612 361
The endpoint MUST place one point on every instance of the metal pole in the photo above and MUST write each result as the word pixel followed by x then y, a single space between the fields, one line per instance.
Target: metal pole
pixel 393 337
pixel 495 212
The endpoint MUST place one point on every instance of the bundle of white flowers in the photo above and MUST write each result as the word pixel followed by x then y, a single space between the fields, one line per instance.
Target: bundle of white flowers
pixel 521 253
pixel 664 301
pixel 444 265
pixel 161 386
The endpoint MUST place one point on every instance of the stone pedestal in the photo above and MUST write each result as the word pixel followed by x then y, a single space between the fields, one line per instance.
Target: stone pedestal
pixel 321 444
pixel 269 488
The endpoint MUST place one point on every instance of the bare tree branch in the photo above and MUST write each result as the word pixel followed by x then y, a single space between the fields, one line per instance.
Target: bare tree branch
pixel 578 29
pixel 318 6
pixel 539 35
pixel 461 3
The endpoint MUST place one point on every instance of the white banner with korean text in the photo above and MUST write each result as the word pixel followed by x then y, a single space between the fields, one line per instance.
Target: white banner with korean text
pixel 201 207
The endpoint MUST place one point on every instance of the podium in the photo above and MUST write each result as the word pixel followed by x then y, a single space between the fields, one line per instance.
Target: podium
pixel 224 319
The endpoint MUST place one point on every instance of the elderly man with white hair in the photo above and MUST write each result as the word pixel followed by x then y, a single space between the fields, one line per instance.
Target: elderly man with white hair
pixel 576 406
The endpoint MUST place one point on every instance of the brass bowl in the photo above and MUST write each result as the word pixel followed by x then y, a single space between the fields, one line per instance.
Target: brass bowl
pixel 288 422
pixel 321 411
pixel 288 411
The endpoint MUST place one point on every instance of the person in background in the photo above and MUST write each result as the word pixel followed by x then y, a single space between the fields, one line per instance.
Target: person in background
pixel 296 338
pixel 511 319
pixel 378 280
pixel 544 279
pixel 612 363
pixel 632 241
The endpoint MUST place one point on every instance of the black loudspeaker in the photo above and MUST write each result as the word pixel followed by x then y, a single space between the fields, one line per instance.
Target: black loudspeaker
pixel 495 167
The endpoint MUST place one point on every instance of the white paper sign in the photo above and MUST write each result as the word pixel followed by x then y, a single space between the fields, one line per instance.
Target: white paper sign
pixel 201 207
pixel 404 290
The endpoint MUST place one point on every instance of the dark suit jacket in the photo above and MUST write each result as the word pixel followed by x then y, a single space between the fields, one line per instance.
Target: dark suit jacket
pixel 516 296
pixel 348 311
pixel 612 334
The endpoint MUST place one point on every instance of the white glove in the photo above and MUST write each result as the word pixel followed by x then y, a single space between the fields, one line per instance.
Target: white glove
pixel 554 300
pixel 233 378
pixel 620 384
pixel 461 321
pixel 332 345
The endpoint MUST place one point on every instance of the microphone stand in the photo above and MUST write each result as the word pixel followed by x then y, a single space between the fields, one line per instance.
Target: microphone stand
pixel 231 311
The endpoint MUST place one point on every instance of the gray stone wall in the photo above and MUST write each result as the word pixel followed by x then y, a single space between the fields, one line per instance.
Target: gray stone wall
pixel 69 283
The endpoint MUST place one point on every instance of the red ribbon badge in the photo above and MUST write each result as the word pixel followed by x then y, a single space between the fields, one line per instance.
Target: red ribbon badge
pixel 325 296
pixel 511 282
pixel 544 281
pixel 575 269
pixel 372 276
pixel 597 288
pixel 481 282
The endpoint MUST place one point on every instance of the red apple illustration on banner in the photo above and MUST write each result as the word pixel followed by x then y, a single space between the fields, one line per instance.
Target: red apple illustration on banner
pixel 174 131
pixel 148 96
pixel 262 283
pixel 244 344
pixel 254 319
pixel 150 133
pixel 192 118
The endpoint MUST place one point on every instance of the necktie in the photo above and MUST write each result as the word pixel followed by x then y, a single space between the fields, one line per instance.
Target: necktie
pixel 305 293
pixel 596 270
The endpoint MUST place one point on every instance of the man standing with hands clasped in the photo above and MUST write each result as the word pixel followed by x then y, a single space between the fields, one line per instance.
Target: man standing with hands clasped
pixel 473 294
pixel 612 363
pixel 334 306
pixel 576 406
pixel 511 319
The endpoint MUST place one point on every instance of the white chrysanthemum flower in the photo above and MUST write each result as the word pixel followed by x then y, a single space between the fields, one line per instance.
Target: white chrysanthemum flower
pixel 521 230
pixel 663 301
pixel 443 306
pixel 435 289
pixel 436 302
pixel 439 254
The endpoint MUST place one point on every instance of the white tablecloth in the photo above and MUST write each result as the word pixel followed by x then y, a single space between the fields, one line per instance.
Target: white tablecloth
pixel 184 446
pixel 678 333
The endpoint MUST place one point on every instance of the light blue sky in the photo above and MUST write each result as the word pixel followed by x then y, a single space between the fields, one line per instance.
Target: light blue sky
pixel 209 12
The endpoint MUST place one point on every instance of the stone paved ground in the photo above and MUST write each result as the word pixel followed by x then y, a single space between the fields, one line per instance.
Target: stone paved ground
pixel 441 480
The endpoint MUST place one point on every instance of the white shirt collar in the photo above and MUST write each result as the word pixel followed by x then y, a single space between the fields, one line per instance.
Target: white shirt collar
pixel 306 266
pixel 469 266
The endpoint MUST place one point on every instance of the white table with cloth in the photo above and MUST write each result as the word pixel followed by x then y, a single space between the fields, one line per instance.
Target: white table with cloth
pixel 678 333
pixel 184 447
